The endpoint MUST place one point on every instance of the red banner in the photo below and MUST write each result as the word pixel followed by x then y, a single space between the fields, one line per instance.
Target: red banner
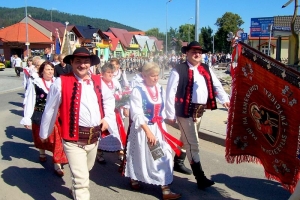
pixel 263 123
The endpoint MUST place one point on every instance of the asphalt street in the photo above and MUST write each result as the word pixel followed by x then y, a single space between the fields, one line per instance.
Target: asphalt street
pixel 23 177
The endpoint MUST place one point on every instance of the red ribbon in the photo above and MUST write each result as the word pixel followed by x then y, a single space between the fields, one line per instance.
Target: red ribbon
pixel 121 128
pixel 172 141
pixel 88 81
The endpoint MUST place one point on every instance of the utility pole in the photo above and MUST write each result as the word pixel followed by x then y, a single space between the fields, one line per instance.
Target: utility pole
pixel 167 26
pixel 197 21
pixel 26 19
pixel 189 29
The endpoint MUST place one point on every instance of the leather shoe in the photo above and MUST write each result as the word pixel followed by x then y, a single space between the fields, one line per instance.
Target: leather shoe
pixel 100 159
pixel 179 164
pixel 135 185
pixel 43 158
pixel 204 183
pixel 171 195
pixel 59 172
pixel 181 168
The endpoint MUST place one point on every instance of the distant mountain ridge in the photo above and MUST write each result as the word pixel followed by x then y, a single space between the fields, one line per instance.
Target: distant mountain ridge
pixel 10 16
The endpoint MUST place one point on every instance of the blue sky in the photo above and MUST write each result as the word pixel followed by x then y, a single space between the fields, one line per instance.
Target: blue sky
pixel 147 14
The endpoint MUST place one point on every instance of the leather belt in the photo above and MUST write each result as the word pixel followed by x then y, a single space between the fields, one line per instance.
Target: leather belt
pixel 198 110
pixel 87 135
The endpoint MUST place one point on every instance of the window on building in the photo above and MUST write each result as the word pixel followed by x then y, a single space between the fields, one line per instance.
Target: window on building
pixel 118 54
pixel 97 39
pixel 119 46
pixel 265 49
pixel 132 41
pixel 37 52
pixel 72 37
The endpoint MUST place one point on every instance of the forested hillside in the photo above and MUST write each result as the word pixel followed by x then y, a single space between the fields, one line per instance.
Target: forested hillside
pixel 9 16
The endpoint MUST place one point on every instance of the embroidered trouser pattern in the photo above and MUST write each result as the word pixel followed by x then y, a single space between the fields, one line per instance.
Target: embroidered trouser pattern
pixel 189 137
pixel 81 161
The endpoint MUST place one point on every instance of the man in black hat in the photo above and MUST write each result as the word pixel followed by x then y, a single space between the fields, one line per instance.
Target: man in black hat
pixel 193 86
pixel 81 99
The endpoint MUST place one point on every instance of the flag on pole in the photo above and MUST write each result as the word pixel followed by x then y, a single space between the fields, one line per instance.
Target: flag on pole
pixel 57 42
pixel 66 47
pixel 263 126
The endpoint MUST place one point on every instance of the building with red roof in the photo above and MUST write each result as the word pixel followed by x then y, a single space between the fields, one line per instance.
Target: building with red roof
pixel 127 40
pixel 14 39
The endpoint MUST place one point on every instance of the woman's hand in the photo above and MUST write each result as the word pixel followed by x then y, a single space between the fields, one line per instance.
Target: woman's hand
pixel 151 138
pixel 226 105
pixel 126 112
pixel 44 140
pixel 27 126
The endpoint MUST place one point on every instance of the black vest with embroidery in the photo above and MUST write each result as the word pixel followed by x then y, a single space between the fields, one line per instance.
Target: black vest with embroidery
pixel 183 97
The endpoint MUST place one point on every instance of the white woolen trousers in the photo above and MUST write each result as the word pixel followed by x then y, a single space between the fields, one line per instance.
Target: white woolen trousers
pixel 81 161
pixel 189 137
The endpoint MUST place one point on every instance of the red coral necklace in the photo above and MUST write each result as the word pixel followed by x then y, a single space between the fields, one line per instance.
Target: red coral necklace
pixel 46 84
pixel 154 97
pixel 110 84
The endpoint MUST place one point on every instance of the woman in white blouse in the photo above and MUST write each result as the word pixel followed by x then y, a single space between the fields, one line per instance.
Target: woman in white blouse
pixel 148 152
pixel 33 109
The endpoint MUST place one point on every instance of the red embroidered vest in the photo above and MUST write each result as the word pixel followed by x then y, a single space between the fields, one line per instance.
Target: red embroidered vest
pixel 183 97
pixel 70 104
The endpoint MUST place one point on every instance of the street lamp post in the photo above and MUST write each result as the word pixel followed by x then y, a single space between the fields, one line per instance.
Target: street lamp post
pixel 197 21
pixel 52 45
pixel 213 43
pixel 270 35
pixel 167 26
pixel 26 19
pixel 51 15
pixel 189 28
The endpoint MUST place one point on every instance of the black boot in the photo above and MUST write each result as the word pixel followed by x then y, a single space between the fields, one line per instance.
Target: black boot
pixel 179 164
pixel 202 181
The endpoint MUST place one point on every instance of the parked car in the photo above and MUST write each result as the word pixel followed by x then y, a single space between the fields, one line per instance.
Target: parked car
pixel 2 66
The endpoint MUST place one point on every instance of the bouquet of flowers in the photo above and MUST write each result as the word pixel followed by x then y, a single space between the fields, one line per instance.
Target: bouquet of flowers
pixel 122 98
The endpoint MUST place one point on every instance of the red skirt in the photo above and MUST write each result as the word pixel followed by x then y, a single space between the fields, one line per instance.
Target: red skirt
pixel 54 143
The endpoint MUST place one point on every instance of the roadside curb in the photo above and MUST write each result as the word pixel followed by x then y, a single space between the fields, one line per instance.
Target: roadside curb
pixel 211 137
pixel 204 134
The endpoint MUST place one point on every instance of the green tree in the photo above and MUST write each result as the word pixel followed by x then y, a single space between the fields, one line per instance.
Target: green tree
pixel 155 33
pixel 187 32
pixel 229 22
pixel 173 37
pixel 206 38
pixel 9 16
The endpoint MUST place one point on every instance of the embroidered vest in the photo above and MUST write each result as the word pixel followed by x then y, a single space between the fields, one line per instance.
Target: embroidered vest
pixel 40 99
pixel 183 97
pixel 70 104
pixel 148 107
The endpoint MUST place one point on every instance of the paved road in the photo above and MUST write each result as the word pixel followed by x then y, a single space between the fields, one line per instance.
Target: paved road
pixel 23 177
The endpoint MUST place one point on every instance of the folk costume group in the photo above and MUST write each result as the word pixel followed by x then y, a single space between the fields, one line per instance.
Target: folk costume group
pixel 79 118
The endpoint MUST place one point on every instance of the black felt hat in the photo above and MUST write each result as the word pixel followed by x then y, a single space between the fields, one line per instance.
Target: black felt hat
pixel 192 45
pixel 82 52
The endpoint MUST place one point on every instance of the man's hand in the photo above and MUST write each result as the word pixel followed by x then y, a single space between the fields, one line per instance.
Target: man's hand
pixel 226 105
pixel 104 125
